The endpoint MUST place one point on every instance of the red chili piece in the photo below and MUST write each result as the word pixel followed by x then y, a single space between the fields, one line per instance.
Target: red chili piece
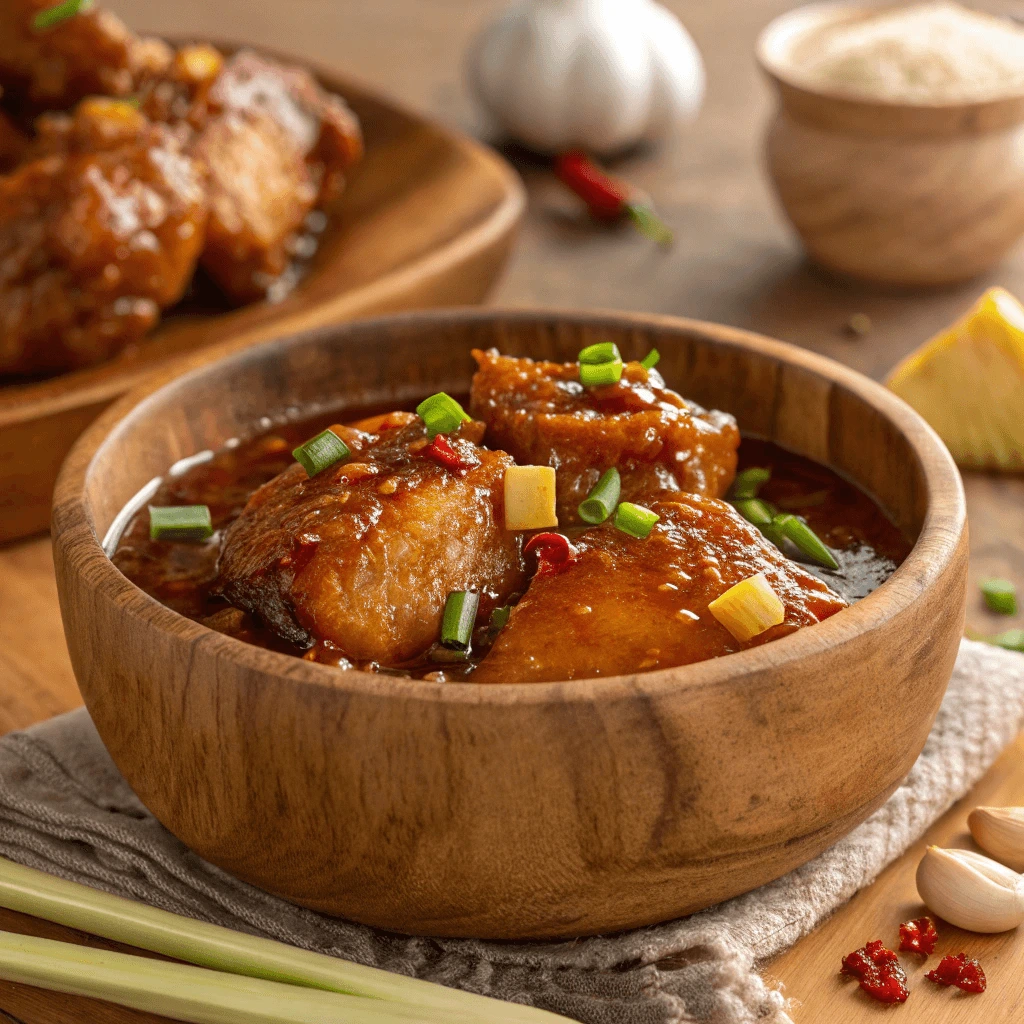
pixel 606 197
pixel 554 552
pixel 960 970
pixel 918 936
pixel 442 452
pixel 878 972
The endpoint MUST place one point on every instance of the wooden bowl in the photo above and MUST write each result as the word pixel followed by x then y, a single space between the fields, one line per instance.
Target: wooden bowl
pixel 900 194
pixel 428 219
pixel 515 811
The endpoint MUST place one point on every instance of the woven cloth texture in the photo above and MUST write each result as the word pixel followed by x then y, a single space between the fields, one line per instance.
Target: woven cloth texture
pixel 65 809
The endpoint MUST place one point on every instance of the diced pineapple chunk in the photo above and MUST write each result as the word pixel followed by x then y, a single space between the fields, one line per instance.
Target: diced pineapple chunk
pixel 749 608
pixel 529 497
pixel 968 383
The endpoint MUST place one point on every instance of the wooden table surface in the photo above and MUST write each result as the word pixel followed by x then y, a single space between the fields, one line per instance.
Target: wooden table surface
pixel 734 261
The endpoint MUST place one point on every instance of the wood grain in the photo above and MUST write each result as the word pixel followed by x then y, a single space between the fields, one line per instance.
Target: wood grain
pixel 263 763
pixel 735 261
pixel 888 192
pixel 428 219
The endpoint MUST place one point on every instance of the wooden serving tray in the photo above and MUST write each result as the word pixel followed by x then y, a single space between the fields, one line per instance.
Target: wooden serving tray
pixel 428 220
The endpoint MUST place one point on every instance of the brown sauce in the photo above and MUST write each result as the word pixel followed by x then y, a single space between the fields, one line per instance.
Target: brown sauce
pixel 182 575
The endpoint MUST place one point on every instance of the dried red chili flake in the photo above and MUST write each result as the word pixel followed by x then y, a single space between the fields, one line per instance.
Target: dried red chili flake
pixel 960 970
pixel 443 452
pixel 878 972
pixel 918 936
pixel 554 552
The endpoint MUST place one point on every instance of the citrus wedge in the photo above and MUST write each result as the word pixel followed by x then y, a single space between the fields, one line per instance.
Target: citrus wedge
pixel 968 383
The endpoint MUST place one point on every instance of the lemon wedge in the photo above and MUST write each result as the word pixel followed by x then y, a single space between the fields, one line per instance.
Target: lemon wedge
pixel 968 383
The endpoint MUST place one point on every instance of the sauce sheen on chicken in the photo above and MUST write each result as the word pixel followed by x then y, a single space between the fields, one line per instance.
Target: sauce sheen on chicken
pixel 628 605
pixel 541 414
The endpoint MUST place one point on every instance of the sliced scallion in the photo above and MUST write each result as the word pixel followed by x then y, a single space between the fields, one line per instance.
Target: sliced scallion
pixel 595 375
pixel 602 352
pixel 635 520
pixel 600 503
pixel 441 413
pixel 180 522
pixel 755 511
pixel 51 16
pixel 1011 640
pixel 749 481
pixel 440 655
pixel 499 618
pixel 806 540
pixel 459 618
pixel 650 361
pixel 1000 596
pixel 321 452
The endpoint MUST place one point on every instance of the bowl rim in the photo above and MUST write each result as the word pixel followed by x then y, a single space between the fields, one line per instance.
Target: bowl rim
pixel 993 111
pixel 80 550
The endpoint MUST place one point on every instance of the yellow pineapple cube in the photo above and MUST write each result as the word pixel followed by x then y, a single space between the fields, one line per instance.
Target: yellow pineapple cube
pixel 968 383
pixel 749 608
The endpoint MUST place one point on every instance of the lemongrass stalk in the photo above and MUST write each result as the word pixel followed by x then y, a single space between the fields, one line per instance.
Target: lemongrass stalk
pixel 191 994
pixel 78 906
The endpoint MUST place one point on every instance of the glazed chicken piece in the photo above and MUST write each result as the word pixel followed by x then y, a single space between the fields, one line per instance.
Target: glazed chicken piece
pixel 625 605
pixel 277 145
pixel 362 557
pixel 91 53
pixel 661 444
pixel 95 238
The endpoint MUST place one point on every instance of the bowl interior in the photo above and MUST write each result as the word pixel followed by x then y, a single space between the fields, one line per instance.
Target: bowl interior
pixel 805 403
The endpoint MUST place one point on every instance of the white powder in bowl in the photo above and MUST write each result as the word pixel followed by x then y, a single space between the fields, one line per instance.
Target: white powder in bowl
pixel 929 53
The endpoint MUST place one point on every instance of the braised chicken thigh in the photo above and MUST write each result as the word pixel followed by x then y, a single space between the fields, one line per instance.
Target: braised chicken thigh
pixel 624 605
pixel 541 414
pixel 362 556
pixel 95 239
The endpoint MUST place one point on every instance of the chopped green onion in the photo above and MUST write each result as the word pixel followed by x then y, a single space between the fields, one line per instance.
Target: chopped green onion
pixel 459 617
pixel 441 413
pixel 602 352
pixel 594 375
pixel 650 361
pixel 59 12
pixel 749 481
pixel 805 539
pixel 180 522
pixel 321 452
pixel 1011 640
pixel 635 520
pixel 499 618
pixel 1000 596
pixel 600 503
pixel 33 892
pixel 444 656
pixel 755 511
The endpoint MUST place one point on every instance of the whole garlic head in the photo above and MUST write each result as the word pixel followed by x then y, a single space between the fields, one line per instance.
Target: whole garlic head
pixel 971 891
pixel 598 75
pixel 999 831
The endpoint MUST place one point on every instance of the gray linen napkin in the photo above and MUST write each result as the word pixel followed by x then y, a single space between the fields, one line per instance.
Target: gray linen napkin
pixel 65 809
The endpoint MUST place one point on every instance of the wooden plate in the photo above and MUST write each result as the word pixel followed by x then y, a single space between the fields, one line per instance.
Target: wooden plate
pixel 515 811
pixel 428 219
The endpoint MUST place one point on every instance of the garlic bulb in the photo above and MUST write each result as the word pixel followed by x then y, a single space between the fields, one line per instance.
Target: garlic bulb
pixel 971 891
pixel 999 831
pixel 598 75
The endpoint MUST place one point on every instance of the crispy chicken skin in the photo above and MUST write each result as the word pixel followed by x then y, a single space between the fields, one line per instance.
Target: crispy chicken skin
pixel 541 415
pixel 95 239
pixel 92 53
pixel 626 605
pixel 277 145
pixel 363 555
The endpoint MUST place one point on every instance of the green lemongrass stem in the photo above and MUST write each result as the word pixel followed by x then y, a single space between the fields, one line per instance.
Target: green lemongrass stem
pixel 78 906
pixel 192 994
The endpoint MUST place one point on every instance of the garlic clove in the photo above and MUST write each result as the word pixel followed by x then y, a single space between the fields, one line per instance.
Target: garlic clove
pixel 999 831
pixel 971 891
